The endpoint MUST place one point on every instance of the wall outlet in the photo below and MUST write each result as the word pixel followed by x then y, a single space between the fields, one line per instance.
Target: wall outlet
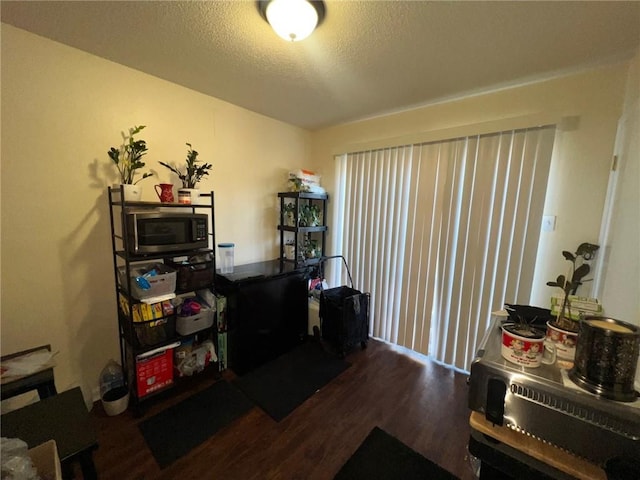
pixel 548 223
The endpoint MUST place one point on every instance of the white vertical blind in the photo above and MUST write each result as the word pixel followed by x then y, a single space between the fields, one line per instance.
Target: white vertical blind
pixel 442 234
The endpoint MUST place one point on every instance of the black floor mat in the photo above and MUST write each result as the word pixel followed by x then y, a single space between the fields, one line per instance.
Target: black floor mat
pixel 384 457
pixel 175 431
pixel 283 384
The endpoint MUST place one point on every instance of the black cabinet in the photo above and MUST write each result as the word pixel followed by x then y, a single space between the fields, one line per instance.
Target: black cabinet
pixel 267 312
pixel 302 228
pixel 151 333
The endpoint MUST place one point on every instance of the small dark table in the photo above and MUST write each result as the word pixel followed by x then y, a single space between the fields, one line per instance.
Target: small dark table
pixel 42 380
pixel 63 418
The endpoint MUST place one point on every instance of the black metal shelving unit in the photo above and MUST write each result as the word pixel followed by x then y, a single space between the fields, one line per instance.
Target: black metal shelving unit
pixel 130 346
pixel 298 233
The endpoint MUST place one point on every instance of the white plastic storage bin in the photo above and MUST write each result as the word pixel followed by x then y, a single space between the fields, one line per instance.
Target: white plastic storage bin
pixel 161 284
pixel 195 323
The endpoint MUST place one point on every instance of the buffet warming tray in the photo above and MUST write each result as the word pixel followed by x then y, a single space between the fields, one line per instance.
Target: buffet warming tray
pixel 544 403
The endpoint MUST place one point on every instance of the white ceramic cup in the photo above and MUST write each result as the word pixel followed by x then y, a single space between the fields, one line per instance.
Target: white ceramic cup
pixel 549 354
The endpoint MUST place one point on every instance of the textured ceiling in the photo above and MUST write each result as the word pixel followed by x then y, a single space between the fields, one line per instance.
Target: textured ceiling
pixel 367 58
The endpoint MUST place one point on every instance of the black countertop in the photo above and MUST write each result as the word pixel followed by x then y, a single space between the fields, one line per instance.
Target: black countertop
pixel 257 271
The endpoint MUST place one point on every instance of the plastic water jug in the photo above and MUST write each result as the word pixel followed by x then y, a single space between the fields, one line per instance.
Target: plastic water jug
pixel 113 391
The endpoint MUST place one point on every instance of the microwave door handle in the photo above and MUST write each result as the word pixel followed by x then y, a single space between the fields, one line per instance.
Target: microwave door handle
pixel 136 246
pixel 130 231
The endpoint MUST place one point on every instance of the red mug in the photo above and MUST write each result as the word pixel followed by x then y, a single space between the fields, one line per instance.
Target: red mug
pixel 165 193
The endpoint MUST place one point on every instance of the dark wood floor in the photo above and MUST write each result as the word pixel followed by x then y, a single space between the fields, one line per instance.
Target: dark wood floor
pixel 423 405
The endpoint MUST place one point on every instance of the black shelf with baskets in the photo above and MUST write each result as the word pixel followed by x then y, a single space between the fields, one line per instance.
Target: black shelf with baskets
pixel 149 330
pixel 302 228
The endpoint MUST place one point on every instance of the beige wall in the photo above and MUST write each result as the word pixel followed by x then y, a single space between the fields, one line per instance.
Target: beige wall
pixel 621 269
pixel 581 158
pixel 62 109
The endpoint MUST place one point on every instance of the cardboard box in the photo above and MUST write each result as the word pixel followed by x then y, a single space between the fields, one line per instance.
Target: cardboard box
pixel 222 351
pixel 142 312
pixel 154 371
pixel 221 313
pixel 46 460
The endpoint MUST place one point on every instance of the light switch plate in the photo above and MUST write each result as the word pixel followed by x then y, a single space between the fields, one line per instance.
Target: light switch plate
pixel 548 223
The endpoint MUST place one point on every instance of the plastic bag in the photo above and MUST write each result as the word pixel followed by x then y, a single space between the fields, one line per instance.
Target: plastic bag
pixel 16 463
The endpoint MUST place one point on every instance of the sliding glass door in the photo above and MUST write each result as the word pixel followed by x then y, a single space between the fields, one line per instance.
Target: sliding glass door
pixel 442 234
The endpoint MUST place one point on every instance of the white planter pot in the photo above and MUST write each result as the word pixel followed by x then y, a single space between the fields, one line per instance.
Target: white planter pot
pixel 290 252
pixel 132 193
pixel 565 341
pixel 522 347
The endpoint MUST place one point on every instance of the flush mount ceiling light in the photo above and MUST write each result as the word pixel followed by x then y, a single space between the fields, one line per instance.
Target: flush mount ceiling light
pixel 293 20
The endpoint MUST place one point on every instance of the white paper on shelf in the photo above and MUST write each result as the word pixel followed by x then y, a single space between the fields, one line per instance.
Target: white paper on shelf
pixel 28 364
pixel 151 353
pixel 159 298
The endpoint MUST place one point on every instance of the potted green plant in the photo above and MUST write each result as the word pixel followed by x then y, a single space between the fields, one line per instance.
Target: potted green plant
pixel 289 214
pixel 290 250
pixel 522 342
pixel 569 285
pixel 296 185
pixel 310 249
pixel 128 160
pixel 190 176
pixel 309 215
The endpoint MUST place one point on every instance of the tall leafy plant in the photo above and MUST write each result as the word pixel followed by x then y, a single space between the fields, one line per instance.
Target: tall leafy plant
pixel 193 173
pixel 569 285
pixel 127 157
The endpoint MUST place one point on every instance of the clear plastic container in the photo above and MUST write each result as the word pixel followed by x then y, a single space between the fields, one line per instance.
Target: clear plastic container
pixel 226 253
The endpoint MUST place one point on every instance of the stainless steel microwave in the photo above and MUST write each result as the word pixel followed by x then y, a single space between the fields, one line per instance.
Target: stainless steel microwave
pixel 160 232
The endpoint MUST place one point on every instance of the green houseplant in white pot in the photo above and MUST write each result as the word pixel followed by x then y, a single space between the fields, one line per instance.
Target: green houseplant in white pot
pixel 564 329
pixel 128 160
pixel 289 214
pixel 190 176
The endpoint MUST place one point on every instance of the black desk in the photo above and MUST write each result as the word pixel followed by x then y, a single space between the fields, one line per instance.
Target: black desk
pixel 267 312
pixel 63 418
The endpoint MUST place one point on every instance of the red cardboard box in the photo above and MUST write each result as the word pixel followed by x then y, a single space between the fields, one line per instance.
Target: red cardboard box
pixel 154 372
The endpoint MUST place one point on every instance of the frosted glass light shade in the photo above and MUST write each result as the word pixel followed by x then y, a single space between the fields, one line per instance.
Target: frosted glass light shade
pixel 293 20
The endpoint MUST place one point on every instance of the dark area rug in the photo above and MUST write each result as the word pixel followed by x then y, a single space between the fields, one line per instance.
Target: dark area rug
pixel 280 386
pixel 383 457
pixel 175 431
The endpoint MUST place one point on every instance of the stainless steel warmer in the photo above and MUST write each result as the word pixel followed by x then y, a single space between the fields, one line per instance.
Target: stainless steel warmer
pixel 543 402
